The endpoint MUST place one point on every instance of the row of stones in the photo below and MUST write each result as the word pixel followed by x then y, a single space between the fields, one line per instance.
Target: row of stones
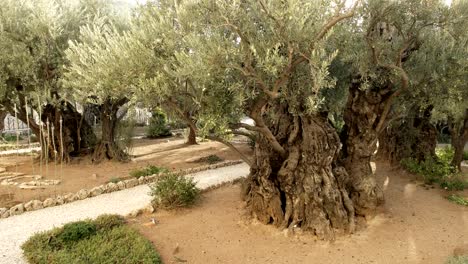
pixel 105 188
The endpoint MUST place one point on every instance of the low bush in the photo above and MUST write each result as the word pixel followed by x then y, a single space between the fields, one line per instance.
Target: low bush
pixel 110 242
pixel 115 179
pixel 158 125
pixel 457 260
pixel 150 170
pixel 465 155
pixel 437 170
pixel 458 199
pixel 210 159
pixel 174 191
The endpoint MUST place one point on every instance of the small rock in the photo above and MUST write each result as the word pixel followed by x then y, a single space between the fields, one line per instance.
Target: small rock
pixel 70 197
pixel 149 209
pixel 141 180
pixel 112 187
pixel 2 211
pixel 17 209
pixel 135 213
pixel 121 185
pixel 83 194
pixel 95 191
pixel 33 205
pixel 5 214
pixel 103 188
pixel 176 249
pixel 49 202
pixel 60 200
pixel 94 176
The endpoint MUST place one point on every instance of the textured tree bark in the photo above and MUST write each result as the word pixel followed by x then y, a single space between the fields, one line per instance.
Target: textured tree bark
pixel 304 189
pixel 459 137
pixel 107 148
pixel 192 137
pixel 413 137
pixel 359 137
pixel 3 114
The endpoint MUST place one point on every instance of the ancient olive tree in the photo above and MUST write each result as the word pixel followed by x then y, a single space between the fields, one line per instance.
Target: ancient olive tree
pixel 267 60
pixel 99 71
pixel 377 47
pixel 33 38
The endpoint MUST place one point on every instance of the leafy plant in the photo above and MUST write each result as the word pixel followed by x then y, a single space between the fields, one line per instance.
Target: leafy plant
pixel 458 199
pixel 150 170
pixel 111 242
pixel 10 137
pixel 437 170
pixel 465 155
pixel 173 191
pixel 457 260
pixel 158 125
pixel 115 179
pixel 210 159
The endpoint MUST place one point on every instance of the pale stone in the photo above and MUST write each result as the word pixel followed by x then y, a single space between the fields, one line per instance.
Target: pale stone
pixel 17 209
pixel 95 191
pixel 83 194
pixel 3 210
pixel 121 185
pixel 49 202
pixel 149 209
pixel 60 200
pixel 70 197
pixel 112 187
pixel 5 214
pixel 33 205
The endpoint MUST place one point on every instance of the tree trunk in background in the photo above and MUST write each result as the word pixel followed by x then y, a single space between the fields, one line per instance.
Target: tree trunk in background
pixel 3 114
pixel 459 137
pixel 107 148
pixel 73 143
pixel 303 189
pixel 413 137
pixel 359 138
pixel 192 137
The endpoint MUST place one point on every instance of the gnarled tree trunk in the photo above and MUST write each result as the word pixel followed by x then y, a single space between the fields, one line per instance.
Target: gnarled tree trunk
pixel 302 188
pixel 107 148
pixel 459 137
pixel 192 137
pixel 413 137
pixel 359 138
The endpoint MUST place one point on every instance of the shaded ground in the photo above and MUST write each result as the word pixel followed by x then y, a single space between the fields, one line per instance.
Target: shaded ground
pixel 170 153
pixel 416 225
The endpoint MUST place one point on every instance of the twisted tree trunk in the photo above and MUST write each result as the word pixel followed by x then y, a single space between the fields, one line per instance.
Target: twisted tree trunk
pixel 192 137
pixel 107 148
pixel 303 188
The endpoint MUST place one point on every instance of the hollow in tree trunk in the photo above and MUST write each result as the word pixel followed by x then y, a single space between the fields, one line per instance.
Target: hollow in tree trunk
pixel 459 137
pixel 107 148
pixel 412 137
pixel 302 188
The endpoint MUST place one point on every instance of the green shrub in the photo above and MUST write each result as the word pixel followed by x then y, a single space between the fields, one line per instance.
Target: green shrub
pixel 211 159
pixel 458 199
pixel 465 155
pixel 158 125
pixel 457 260
pixel 437 170
pixel 75 231
pixel 150 170
pixel 173 191
pixel 115 179
pixel 10 137
pixel 109 244
pixel 108 221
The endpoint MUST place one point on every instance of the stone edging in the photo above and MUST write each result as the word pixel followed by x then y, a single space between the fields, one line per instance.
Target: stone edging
pixel 105 188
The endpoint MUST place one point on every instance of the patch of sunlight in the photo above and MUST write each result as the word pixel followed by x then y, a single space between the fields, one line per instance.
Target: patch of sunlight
pixel 373 166
pixel 386 182
pixel 412 251
pixel 409 190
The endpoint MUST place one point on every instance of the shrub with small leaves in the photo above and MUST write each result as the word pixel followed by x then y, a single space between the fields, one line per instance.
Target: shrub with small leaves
pixel 108 221
pixel 210 159
pixel 73 232
pixel 158 125
pixel 150 170
pixel 458 199
pixel 174 191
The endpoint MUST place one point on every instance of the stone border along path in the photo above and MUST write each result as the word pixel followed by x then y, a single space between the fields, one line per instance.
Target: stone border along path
pixel 97 190
pixel 15 230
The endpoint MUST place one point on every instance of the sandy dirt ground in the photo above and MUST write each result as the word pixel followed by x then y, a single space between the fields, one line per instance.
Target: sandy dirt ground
pixel 171 153
pixel 416 225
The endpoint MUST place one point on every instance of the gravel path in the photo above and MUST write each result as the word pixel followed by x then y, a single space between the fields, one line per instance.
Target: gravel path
pixel 17 229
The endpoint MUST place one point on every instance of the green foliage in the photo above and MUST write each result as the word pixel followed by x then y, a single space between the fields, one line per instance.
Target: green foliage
pixel 438 170
pixel 108 221
pixel 149 170
pixel 465 155
pixel 115 179
pixel 458 199
pixel 174 191
pixel 10 137
pixel 158 126
pixel 457 260
pixel 210 159
pixel 110 242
